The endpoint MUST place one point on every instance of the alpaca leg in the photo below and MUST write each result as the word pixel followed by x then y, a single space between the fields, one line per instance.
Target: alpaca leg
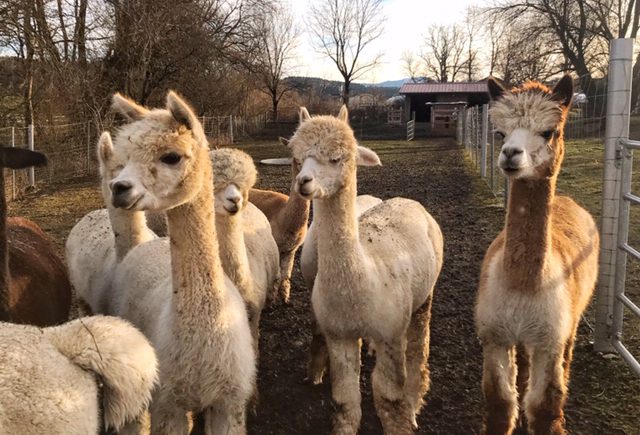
pixel 286 268
pixel 167 417
pixel 139 426
pixel 318 354
pixel 568 356
pixel 228 419
pixel 545 398
pixel 345 385
pixel 417 359
pixel 499 389
pixel 522 380
pixel 388 381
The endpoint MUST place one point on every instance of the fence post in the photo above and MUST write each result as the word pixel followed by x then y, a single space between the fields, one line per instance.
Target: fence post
pixel 483 139
pixel 31 170
pixel 88 147
pixel 617 128
pixel 13 171
pixel 231 127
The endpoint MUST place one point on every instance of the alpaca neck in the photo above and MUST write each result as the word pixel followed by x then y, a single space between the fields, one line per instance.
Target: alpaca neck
pixel 233 251
pixel 129 229
pixel 337 229
pixel 198 278
pixel 4 254
pixel 528 231
pixel 296 211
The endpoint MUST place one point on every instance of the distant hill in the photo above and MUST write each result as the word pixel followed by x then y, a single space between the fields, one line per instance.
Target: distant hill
pixel 333 87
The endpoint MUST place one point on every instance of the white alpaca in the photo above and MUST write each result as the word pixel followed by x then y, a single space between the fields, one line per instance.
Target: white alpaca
pixel 175 290
pixel 375 277
pixel 318 362
pixel 49 382
pixel 101 239
pixel 248 251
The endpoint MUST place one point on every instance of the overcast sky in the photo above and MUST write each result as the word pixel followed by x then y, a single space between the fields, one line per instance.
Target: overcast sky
pixel 405 28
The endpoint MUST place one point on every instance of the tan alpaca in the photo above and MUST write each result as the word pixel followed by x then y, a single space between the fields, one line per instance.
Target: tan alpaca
pixel 175 290
pixel 101 239
pixel 248 251
pixel 375 277
pixel 539 273
pixel 288 216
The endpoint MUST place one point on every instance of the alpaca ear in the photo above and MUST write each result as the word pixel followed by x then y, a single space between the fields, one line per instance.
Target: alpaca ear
pixel 496 90
pixel 181 111
pixel 367 157
pixel 563 91
pixel 105 148
pixel 284 141
pixel 127 107
pixel 304 115
pixel 20 158
pixel 343 115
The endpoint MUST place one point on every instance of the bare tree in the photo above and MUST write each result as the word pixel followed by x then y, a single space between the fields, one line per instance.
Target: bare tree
pixel 279 42
pixel 411 65
pixel 444 54
pixel 471 27
pixel 342 30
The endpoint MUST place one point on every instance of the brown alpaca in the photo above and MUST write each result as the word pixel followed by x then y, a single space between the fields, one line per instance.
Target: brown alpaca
pixel 539 273
pixel 288 216
pixel 34 285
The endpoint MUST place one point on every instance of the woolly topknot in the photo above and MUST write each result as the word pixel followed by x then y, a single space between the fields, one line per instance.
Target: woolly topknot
pixel 233 166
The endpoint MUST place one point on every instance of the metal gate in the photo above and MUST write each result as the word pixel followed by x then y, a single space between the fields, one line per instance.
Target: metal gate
pixel 612 296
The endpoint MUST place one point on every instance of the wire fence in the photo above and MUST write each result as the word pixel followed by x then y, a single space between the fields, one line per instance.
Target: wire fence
pixel 70 148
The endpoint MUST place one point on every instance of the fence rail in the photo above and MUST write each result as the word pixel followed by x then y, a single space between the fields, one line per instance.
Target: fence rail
pixel 70 148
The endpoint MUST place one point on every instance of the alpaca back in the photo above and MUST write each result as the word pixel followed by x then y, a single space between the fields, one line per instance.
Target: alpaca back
pixel 40 292
pixel 405 243
pixel 91 258
pixel 49 379
pixel 262 250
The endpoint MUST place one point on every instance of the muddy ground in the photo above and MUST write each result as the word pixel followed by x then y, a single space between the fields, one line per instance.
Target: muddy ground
pixel 604 394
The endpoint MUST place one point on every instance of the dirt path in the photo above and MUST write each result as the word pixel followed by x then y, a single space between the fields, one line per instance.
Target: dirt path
pixel 603 393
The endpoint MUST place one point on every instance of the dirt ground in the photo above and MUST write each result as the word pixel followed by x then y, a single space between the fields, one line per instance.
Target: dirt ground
pixel 604 396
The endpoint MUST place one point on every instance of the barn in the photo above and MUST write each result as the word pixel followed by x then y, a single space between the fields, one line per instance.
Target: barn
pixel 433 105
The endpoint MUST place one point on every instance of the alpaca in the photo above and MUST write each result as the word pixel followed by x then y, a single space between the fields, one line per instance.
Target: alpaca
pixel 288 216
pixel 101 239
pixel 34 285
pixel 175 290
pixel 375 277
pixel 248 251
pixel 539 273
pixel 50 378
pixel 319 355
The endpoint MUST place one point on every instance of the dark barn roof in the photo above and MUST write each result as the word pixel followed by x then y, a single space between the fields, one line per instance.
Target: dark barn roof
pixel 445 88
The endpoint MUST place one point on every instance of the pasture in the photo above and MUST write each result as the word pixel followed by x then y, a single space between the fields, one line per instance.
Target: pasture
pixel 603 397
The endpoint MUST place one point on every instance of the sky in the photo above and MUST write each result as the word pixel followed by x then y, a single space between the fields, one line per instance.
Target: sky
pixel 405 28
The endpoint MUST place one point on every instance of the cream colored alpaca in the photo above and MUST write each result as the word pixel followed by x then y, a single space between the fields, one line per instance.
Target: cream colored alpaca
pixel 539 273
pixel 101 239
pixel 50 378
pixel 248 252
pixel 375 277
pixel 288 216
pixel 319 355
pixel 175 290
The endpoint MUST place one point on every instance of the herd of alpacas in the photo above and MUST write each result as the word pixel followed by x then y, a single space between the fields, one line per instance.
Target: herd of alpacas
pixel 178 267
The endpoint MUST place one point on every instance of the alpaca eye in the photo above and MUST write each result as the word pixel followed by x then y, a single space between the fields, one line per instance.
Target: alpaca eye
pixel 547 134
pixel 500 134
pixel 335 160
pixel 171 158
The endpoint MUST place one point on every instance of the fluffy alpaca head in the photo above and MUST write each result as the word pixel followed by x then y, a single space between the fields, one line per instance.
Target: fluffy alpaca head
pixel 162 155
pixel 328 154
pixel 234 174
pixel 531 118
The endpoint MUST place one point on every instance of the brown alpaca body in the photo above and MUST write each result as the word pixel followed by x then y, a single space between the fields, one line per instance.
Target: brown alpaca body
pixel 39 289
pixel 288 216
pixel 539 273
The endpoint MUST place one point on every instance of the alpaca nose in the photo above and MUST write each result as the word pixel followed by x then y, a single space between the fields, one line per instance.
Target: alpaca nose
pixel 304 179
pixel 511 152
pixel 120 188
